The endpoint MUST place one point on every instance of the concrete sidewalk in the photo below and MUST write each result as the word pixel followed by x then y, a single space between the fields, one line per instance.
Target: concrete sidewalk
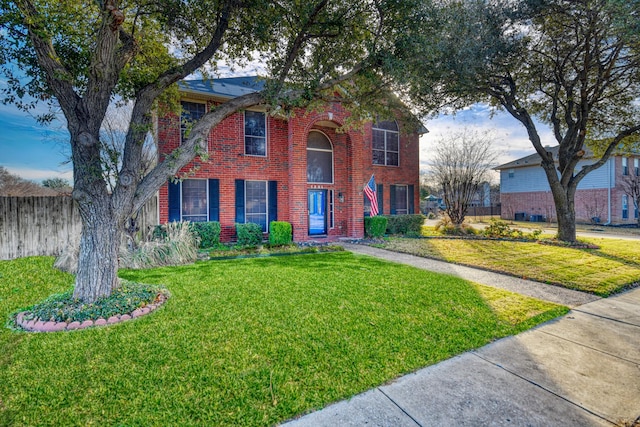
pixel 542 291
pixel 580 370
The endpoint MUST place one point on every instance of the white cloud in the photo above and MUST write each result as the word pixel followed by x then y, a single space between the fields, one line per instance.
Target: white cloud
pixel 512 141
pixel 40 174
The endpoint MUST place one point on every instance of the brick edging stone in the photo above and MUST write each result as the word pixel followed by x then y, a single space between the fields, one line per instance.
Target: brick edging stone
pixel 37 325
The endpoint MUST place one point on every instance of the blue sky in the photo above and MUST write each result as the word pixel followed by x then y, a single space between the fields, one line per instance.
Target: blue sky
pixel 37 152
pixel 30 150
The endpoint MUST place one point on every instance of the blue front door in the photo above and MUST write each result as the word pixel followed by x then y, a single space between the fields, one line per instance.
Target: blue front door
pixel 317 212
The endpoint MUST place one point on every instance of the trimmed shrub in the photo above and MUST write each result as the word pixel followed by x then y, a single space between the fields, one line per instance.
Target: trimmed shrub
pixel 249 234
pixel 375 226
pixel 280 233
pixel 207 232
pixel 410 225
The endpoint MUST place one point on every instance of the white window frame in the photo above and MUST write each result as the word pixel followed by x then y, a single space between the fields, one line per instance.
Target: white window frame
pixel 192 102
pixel 266 133
pixel 625 166
pixel 636 167
pixel 333 158
pixel 182 197
pixel 625 206
pixel 246 204
pixel 386 150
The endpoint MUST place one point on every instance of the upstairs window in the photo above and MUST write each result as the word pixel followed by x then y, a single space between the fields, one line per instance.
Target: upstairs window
pixel 385 143
pixel 636 170
pixel 255 133
pixel 191 112
pixel 625 166
pixel 319 158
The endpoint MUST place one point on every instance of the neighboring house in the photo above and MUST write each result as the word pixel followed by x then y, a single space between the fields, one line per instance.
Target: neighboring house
pixel 525 192
pixel 264 167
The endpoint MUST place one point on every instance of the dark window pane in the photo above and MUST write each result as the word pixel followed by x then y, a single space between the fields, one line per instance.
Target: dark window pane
pixel 319 141
pixel 392 141
pixel 191 113
pixel 256 203
pixel 378 157
pixel 386 125
pixel 392 159
pixel 377 141
pixel 255 146
pixel 194 200
pixel 401 199
pixel 254 123
pixel 255 131
pixel 319 166
pixel 385 143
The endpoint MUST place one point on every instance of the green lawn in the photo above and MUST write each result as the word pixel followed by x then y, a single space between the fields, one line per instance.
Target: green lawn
pixel 602 271
pixel 244 342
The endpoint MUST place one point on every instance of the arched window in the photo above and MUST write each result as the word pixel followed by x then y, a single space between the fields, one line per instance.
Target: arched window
pixel 319 158
pixel 385 143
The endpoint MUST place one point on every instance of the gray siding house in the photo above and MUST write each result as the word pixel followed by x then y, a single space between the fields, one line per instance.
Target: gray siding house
pixel 525 193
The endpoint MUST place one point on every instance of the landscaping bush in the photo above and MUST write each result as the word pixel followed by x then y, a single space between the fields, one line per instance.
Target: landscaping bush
pixel 178 246
pixel 410 225
pixel 280 233
pixel 375 226
pixel 500 229
pixel 447 227
pixel 249 234
pixel 207 232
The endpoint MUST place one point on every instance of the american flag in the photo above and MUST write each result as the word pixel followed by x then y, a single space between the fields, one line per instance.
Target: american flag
pixel 370 192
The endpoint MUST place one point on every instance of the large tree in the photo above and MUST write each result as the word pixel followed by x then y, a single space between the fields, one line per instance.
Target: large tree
pixel 86 54
pixel 572 64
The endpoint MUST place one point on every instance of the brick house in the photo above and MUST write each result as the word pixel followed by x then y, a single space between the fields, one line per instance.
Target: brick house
pixel 264 167
pixel 525 192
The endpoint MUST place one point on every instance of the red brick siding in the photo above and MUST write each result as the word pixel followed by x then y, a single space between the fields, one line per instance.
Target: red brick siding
pixel 286 163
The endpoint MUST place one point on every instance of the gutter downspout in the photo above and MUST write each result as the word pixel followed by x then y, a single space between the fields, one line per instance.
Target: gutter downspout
pixel 609 193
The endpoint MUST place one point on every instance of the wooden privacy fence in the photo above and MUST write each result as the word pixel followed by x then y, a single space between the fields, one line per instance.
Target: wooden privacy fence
pixel 44 225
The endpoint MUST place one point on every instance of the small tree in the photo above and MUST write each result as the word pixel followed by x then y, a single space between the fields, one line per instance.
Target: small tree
pixel 56 183
pixel 462 162
pixel 631 187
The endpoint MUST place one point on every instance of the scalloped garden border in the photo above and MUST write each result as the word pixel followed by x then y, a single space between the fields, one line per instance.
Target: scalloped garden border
pixel 37 325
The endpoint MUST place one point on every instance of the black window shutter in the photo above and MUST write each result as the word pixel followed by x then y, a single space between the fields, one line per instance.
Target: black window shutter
pixel 392 198
pixel 214 200
pixel 410 191
pixel 273 201
pixel 240 201
pixel 379 196
pixel 174 201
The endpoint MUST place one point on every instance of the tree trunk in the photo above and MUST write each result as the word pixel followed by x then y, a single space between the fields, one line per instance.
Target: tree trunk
pixel 566 222
pixel 97 274
pixel 564 200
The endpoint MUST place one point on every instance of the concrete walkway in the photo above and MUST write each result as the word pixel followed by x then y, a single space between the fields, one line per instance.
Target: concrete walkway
pixel 538 290
pixel 580 370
